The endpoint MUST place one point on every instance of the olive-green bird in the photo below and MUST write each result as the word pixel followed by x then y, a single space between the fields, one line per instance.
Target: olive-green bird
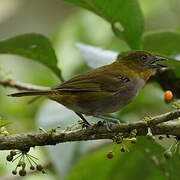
pixel 106 89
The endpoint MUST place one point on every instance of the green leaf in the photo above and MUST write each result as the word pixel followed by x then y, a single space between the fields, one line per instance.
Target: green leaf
pixel 132 165
pixel 34 46
pixel 154 152
pixel 125 17
pixel 164 43
pixel 144 161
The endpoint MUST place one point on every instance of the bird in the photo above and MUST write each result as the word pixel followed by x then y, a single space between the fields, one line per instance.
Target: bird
pixel 106 89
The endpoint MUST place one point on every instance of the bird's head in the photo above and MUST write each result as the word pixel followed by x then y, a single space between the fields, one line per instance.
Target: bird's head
pixel 142 60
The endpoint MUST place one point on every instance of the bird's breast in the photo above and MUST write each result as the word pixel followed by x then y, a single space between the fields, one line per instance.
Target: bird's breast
pixel 125 95
pixel 139 85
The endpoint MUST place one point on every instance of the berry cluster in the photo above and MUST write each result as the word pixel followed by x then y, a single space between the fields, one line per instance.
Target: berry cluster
pixel 118 139
pixel 174 148
pixel 23 156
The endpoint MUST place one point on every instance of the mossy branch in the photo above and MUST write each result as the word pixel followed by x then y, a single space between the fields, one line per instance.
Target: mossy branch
pixel 156 124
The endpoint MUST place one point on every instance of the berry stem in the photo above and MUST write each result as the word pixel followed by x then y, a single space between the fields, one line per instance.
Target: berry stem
pixel 16 158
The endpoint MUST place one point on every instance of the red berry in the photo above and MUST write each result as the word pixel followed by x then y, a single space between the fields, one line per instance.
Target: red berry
pixel 39 167
pixel 32 167
pixel 14 172
pixel 43 171
pixel 22 172
pixel 110 155
pixel 12 153
pixel 9 158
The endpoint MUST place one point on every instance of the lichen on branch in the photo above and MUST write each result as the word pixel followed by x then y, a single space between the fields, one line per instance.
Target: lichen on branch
pixel 157 124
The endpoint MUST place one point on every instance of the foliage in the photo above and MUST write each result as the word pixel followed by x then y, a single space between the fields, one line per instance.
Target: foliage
pixel 129 25
pixel 165 43
pixel 34 46
pixel 145 161
pixel 127 21
pixel 122 166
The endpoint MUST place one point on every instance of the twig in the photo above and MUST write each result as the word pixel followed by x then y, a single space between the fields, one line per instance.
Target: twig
pixel 164 118
pixel 47 164
pixel 21 86
pixel 25 141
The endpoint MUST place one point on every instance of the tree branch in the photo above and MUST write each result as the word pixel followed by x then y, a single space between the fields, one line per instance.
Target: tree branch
pixel 25 141
pixel 21 86
pixel 168 80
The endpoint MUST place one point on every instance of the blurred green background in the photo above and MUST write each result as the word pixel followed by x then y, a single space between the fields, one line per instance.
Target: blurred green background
pixel 66 25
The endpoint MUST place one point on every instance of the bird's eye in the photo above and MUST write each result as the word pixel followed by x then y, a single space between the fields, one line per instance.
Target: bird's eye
pixel 143 57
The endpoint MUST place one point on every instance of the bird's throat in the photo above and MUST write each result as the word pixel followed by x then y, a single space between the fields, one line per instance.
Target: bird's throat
pixel 146 74
pixel 134 72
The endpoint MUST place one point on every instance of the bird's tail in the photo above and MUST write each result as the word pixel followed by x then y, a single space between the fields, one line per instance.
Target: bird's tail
pixel 32 93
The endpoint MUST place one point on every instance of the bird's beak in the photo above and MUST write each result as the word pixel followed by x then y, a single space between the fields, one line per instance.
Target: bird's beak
pixel 156 59
pixel 160 58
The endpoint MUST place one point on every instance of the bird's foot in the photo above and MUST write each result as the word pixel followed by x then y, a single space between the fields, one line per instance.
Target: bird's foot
pixel 109 125
pixel 86 125
pixel 108 118
pixel 83 122
pixel 108 121
pixel 100 123
pixel 106 124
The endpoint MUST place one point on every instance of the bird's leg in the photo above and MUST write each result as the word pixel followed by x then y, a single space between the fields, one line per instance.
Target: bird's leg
pixel 109 120
pixel 85 122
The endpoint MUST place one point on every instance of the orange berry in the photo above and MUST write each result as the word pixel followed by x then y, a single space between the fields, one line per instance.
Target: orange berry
pixel 168 96
pixel 110 155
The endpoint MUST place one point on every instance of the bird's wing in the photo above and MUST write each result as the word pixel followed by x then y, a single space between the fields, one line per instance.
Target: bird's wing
pixel 94 81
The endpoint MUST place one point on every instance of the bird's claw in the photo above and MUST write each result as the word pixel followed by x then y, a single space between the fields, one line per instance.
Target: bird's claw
pixel 104 123
pixel 110 123
pixel 85 125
